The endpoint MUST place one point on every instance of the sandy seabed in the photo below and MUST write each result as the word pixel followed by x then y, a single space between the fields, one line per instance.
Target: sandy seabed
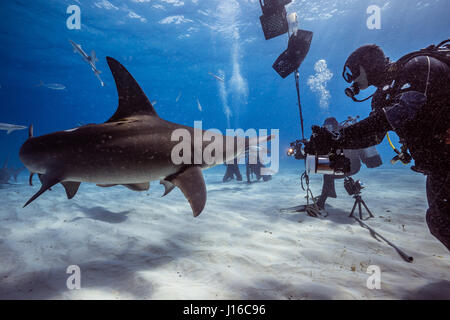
pixel 132 245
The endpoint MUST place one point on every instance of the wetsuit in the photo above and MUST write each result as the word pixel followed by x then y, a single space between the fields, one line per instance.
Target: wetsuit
pixel 232 172
pixel 416 105
pixel 255 169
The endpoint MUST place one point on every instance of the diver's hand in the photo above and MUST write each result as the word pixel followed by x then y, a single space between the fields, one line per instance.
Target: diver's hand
pixel 322 141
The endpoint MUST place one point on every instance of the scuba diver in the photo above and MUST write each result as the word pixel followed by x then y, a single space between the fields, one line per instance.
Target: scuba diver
pixel 232 172
pixel 255 169
pixel 368 156
pixel 413 101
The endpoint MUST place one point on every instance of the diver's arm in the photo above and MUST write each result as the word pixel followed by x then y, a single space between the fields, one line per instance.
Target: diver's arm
pixel 366 133
pixel 371 131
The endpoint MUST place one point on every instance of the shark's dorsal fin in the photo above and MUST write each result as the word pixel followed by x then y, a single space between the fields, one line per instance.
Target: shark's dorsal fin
pixel 132 100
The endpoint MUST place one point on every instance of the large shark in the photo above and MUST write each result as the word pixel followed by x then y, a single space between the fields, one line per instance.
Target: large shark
pixel 131 149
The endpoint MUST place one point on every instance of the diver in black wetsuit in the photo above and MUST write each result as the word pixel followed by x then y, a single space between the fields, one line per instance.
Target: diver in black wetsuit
pixel 255 169
pixel 368 156
pixel 232 172
pixel 413 99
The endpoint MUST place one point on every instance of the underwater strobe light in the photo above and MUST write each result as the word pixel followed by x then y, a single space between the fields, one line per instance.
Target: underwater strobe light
pixel 275 22
pixel 291 59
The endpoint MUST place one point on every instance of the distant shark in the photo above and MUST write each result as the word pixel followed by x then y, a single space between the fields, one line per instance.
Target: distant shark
pixel 221 79
pixel 53 86
pixel 91 59
pixel 131 149
pixel 11 127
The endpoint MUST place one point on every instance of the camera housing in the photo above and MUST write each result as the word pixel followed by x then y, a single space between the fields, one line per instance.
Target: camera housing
pixel 295 150
pixel 333 164
pixel 353 187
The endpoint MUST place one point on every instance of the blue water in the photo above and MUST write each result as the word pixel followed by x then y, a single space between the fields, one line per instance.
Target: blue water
pixel 169 58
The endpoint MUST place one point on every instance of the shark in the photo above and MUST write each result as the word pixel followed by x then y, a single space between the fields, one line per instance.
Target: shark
pixel 90 59
pixel 11 127
pixel 131 149
pixel 221 79
pixel 53 86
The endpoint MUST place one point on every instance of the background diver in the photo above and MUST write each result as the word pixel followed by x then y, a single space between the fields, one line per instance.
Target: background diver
pixel 413 100
pixel 368 156
pixel 232 171
pixel 254 169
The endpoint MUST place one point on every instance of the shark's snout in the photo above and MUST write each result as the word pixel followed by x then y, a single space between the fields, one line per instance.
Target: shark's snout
pixel 30 156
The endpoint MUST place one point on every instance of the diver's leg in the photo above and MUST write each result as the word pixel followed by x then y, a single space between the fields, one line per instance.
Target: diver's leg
pixel 237 173
pixel 228 174
pixel 438 213
pixel 328 190
pixel 247 172
pixel 258 170
pixel 330 186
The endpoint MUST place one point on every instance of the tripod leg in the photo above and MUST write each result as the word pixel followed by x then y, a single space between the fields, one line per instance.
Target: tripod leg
pixel 359 208
pixel 365 206
pixel 353 210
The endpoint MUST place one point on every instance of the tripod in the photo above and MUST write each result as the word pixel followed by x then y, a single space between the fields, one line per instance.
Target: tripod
pixel 358 202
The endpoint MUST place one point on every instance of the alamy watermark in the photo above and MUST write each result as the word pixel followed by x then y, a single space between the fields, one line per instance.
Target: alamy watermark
pixel 211 147
pixel 74 20
pixel 74 280
pixel 374 281
pixel 374 20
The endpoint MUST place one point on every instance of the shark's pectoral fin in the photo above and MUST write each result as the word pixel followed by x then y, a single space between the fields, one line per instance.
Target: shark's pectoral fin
pixel 192 184
pixel 138 186
pixel 48 181
pixel 168 187
pixel 71 188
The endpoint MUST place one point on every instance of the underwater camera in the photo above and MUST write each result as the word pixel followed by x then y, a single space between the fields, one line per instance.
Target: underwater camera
pixel 295 150
pixel 353 187
pixel 332 164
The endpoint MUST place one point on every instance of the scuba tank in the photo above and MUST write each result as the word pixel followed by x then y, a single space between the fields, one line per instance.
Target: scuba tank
pixel 440 52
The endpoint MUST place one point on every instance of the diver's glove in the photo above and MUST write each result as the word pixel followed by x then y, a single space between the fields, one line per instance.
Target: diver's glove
pixel 322 141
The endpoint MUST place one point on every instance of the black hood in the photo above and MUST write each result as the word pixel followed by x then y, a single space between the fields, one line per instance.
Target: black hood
pixel 372 59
